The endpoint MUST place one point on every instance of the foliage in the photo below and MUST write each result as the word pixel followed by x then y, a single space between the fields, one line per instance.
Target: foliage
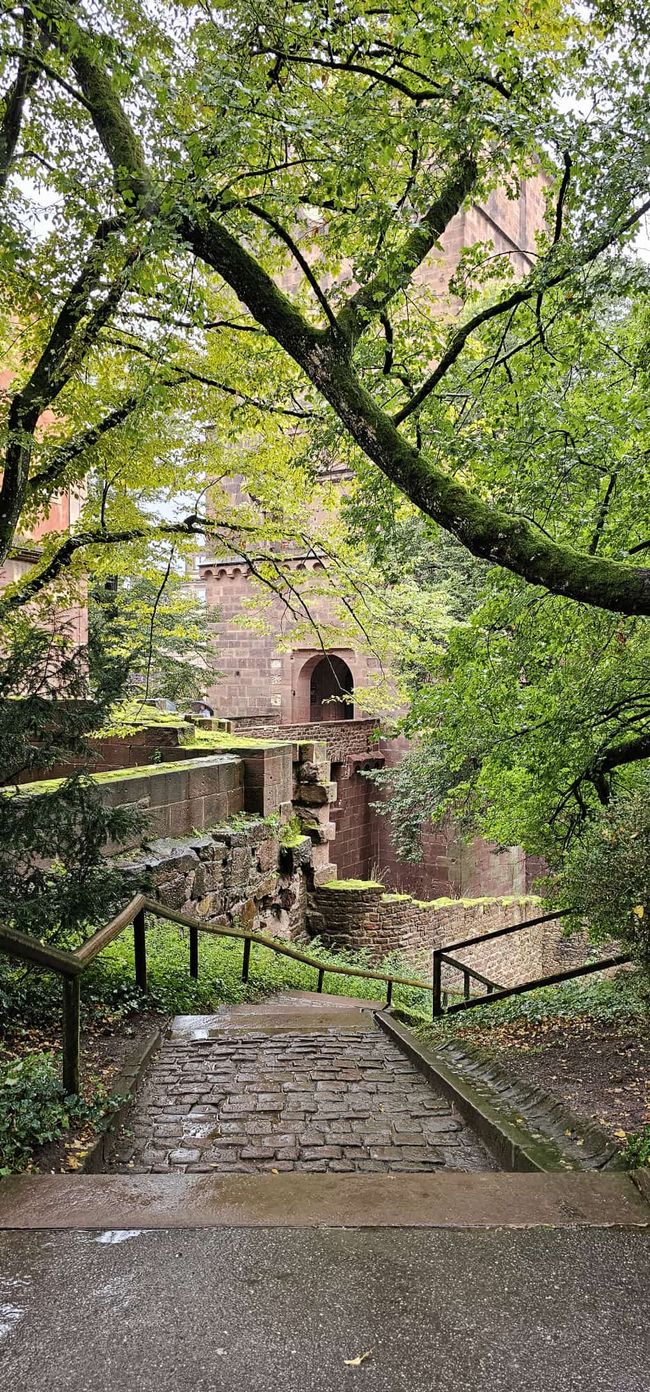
pixel 34 1108
pixel 613 1000
pixel 606 876
pixel 160 628
pixel 211 168
pixel 53 879
pixel 528 717
pixel 637 1149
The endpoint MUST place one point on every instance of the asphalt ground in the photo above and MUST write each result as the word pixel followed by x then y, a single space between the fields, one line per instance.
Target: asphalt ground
pixel 538 1309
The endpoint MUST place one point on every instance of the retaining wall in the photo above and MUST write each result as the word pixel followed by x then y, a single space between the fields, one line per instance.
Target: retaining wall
pixel 227 876
pixel 366 918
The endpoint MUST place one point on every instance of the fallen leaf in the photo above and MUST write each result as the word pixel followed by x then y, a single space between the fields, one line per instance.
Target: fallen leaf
pixel 356 1362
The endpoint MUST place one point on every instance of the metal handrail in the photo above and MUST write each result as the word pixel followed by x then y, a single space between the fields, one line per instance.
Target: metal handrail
pixel 495 992
pixel 71 965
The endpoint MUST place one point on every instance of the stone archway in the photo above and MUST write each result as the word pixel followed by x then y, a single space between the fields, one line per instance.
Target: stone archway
pixel 323 689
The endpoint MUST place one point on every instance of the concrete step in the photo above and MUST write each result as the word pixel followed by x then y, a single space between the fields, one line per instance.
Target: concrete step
pixel 447 1200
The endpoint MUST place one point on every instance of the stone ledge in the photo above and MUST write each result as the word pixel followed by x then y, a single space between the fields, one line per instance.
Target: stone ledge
pixel 459 1201
pixel 523 1126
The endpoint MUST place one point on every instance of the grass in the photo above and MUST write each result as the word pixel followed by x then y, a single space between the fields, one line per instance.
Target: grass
pixel 621 999
pixel 172 990
pixel 217 739
pixel 109 994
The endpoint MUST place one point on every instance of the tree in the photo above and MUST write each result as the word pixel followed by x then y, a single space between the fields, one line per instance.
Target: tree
pixel 161 630
pixel 48 710
pixel 193 158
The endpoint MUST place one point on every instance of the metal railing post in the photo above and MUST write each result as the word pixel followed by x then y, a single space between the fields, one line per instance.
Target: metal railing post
pixel 194 953
pixel 389 992
pixel 437 983
pixel 140 950
pixel 246 959
pixel 466 985
pixel 71 1027
pixel 321 978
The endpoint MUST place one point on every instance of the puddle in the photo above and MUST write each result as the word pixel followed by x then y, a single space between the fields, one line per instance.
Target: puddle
pixel 112 1236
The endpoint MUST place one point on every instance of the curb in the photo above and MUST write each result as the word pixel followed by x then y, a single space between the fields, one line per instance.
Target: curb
pixel 125 1086
pixel 517 1144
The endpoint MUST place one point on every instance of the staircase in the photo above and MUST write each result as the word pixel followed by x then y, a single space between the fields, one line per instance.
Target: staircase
pixel 303 1083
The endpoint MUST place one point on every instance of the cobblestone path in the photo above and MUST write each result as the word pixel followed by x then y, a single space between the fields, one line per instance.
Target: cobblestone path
pixel 303 1098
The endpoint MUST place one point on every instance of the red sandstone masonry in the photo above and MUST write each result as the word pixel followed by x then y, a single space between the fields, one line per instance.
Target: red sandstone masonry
pixel 366 918
pixel 342 737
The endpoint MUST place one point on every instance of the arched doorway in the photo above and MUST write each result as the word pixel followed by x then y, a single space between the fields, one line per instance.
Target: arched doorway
pixel 331 690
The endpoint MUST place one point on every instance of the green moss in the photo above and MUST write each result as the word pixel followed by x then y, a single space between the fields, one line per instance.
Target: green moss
pixel 395 898
pixel 49 785
pixel 130 716
pixel 215 739
pixel 352 884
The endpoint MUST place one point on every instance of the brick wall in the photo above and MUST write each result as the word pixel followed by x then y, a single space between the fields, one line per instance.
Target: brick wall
pixel 342 737
pixel 369 919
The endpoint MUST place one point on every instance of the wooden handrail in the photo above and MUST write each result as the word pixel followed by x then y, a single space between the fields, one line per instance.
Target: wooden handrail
pixel 71 965
pixel 282 948
pixel 105 935
pixel 30 949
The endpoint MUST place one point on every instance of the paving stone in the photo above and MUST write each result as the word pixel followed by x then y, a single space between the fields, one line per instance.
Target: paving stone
pixel 342 1102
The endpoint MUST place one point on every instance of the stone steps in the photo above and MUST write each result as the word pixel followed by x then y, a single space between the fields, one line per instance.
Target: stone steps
pixel 306 1084
pixel 440 1200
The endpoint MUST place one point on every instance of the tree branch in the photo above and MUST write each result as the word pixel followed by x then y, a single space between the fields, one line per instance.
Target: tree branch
pixel 188 374
pixel 485 530
pixel 302 261
pixel 84 440
pixel 371 299
pixel 68 342
pixel 538 281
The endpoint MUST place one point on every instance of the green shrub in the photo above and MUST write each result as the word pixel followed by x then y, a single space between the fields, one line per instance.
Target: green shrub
pixel 637 1150
pixel 611 1000
pixel 606 876
pixel 34 1109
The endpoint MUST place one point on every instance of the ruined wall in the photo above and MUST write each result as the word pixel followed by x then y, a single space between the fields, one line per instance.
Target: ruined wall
pixel 449 866
pixel 242 877
pixel 175 799
pixel 366 918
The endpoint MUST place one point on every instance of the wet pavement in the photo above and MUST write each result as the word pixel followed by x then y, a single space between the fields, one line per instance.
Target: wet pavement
pixel 254 1310
pixel 312 1090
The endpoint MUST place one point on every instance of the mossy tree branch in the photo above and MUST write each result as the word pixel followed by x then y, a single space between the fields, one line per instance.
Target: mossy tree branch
pixel 485 530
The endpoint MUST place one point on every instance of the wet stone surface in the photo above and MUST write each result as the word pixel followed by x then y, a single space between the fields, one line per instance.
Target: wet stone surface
pixel 340 1101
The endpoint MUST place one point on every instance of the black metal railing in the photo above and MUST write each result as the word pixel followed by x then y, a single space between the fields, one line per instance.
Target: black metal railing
pixel 495 992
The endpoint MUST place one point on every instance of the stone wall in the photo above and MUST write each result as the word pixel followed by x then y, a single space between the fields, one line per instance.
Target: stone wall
pixel 243 877
pixel 342 737
pixel 176 799
pixel 366 918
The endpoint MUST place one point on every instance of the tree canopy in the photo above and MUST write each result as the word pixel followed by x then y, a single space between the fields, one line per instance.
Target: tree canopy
pixel 164 167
